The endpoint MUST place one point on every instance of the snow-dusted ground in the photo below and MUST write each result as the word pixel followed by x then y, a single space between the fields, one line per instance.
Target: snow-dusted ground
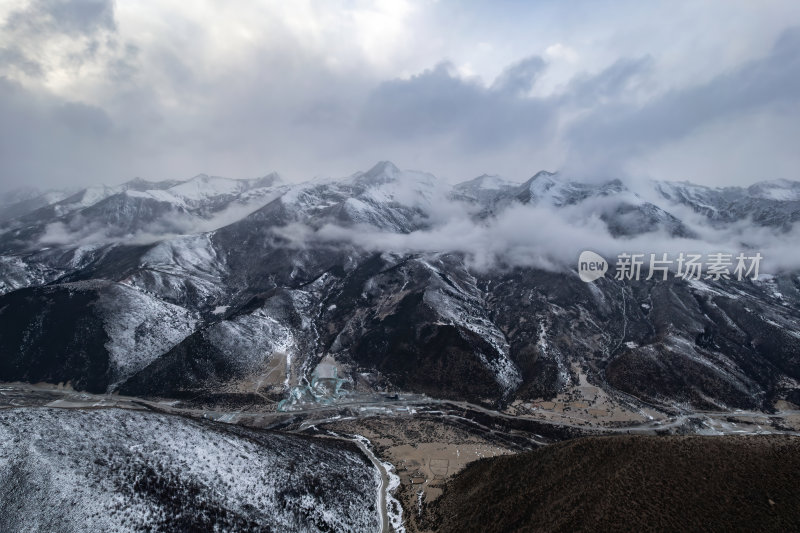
pixel 249 341
pixel 118 470
pixel 140 328
pixel 462 306
pixel 183 269
pixel 16 273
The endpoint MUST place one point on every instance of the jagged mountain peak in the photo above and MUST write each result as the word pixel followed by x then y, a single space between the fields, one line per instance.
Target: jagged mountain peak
pixel 493 182
pixel 203 187
pixel 141 184
pixel 383 167
pixel 270 178
pixel 540 183
pixel 381 173
pixel 780 189
pixel 768 203
pixel 545 174
pixel 553 189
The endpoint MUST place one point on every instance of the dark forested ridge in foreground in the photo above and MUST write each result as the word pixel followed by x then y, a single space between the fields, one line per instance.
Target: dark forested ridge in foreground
pixel 631 483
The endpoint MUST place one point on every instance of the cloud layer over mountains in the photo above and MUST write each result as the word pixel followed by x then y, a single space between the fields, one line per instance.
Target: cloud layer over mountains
pixel 549 232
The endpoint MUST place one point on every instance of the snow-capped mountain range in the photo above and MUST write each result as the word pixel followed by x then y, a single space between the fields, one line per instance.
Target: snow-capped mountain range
pixel 209 285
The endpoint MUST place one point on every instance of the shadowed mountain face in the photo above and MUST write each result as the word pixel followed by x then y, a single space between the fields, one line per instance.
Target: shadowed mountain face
pixel 628 483
pixel 91 334
pixel 378 271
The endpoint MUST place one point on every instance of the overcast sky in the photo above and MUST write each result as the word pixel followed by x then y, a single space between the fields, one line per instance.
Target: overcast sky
pixel 100 91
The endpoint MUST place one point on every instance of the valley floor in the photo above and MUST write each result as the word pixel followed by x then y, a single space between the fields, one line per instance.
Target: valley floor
pixel 418 446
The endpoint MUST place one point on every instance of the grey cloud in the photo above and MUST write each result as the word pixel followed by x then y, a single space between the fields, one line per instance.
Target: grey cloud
pixel 44 139
pixel 83 119
pixel 64 16
pixel 611 83
pixel 88 22
pixel 437 102
pixel 12 55
pixel 124 68
pixel 520 77
pixel 161 112
pixel 617 120
pixel 612 134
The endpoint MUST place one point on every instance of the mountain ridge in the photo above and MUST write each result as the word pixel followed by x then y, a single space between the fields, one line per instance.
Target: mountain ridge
pixel 360 270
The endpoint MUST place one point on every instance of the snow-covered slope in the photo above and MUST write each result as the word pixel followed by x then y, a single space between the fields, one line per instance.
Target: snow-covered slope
pixel 114 470
pixel 767 203
pixel 139 210
pixel 483 189
pixel 20 202
pixel 384 197
pixel 139 328
pixel 186 270
pixel 91 334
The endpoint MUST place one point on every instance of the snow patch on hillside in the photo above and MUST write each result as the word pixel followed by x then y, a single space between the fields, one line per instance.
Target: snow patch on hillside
pixel 16 273
pixel 140 328
pixel 460 308
pixel 249 341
